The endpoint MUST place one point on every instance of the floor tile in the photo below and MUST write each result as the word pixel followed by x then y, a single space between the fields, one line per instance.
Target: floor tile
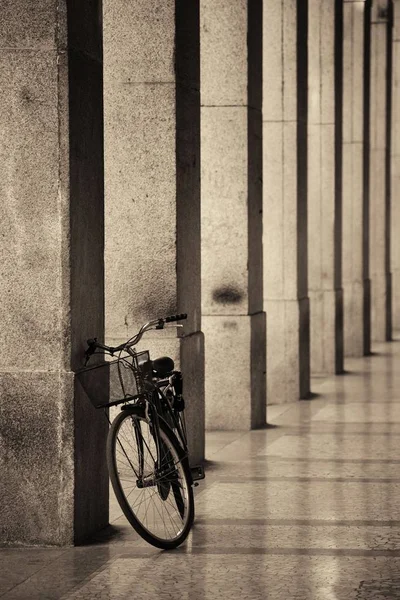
pixel 306 509
pixel 359 413
pixel 249 577
pixel 299 500
pixel 335 446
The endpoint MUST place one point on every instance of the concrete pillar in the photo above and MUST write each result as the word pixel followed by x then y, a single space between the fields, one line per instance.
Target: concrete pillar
pixel 379 183
pixel 54 483
pixel 231 134
pixel 285 199
pixel 324 184
pixel 356 283
pixel 152 184
pixel 395 170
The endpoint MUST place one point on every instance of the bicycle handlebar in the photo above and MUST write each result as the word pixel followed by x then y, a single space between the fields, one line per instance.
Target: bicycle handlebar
pixel 175 318
pixel 156 323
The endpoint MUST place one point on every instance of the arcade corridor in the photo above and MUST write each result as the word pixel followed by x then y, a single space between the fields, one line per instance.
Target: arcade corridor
pixel 305 510
pixel 237 161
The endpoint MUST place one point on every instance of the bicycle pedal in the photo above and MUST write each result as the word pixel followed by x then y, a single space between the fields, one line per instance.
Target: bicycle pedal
pixel 197 472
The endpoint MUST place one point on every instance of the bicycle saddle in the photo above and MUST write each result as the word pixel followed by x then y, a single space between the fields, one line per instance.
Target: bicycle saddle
pixel 163 366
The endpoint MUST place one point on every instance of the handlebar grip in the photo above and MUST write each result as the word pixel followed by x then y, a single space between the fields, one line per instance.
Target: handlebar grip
pixel 91 349
pixel 176 318
pixel 93 344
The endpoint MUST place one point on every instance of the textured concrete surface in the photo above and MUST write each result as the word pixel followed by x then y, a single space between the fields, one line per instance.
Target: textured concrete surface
pixel 231 218
pixel 326 308
pixel 51 198
pixel 291 357
pixel 379 195
pixel 395 171
pixel 29 228
pixel 285 199
pixel 224 177
pixel 324 202
pixel 193 392
pixel 305 510
pixel 356 331
pixel 235 347
pixel 152 181
pixel 37 470
pixel 224 28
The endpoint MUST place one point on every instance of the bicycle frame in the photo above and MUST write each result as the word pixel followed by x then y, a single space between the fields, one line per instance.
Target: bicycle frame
pixel 159 406
pixel 177 418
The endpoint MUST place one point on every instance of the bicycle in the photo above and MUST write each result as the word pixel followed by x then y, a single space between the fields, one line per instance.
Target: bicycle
pixel 147 450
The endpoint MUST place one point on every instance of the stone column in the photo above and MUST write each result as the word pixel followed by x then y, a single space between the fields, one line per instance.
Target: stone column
pixel 285 199
pixel 234 323
pixel 152 184
pixel 379 183
pixel 324 184
pixel 395 170
pixel 356 283
pixel 54 483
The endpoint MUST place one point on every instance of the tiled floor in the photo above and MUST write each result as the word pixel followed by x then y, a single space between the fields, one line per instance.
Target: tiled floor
pixel 307 509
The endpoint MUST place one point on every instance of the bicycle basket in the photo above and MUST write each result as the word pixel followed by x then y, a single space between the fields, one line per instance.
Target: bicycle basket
pixel 110 383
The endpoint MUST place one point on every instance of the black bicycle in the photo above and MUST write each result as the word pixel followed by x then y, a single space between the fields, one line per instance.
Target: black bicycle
pixel 147 450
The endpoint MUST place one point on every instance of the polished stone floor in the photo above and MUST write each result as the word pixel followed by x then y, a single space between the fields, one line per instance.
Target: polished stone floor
pixel 306 509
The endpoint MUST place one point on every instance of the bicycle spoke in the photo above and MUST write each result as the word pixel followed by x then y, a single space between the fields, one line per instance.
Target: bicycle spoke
pixel 160 504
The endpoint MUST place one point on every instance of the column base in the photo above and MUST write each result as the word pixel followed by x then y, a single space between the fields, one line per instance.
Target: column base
pixel 235 371
pixel 55 471
pixel 192 365
pixel 396 299
pixel 380 307
pixel 355 328
pixel 288 350
pixel 367 317
pixel 326 331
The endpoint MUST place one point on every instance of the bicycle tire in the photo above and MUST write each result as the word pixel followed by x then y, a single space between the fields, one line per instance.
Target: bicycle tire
pixel 127 448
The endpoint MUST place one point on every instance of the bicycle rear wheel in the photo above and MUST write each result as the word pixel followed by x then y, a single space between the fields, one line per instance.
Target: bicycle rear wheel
pixel 154 492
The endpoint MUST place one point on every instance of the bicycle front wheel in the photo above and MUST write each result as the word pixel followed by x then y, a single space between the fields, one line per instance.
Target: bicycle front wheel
pixel 153 489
